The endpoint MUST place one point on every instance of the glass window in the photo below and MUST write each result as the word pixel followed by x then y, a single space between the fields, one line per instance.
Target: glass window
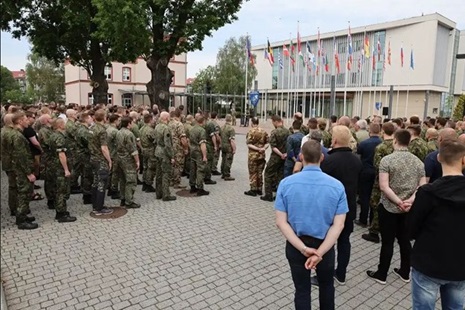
pixel 110 99
pixel 126 100
pixel 108 73
pixel 173 79
pixel 126 74
pixel 90 99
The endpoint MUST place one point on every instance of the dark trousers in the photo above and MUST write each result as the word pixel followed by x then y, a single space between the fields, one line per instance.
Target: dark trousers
pixel 343 249
pixel 301 276
pixel 393 226
pixel 366 182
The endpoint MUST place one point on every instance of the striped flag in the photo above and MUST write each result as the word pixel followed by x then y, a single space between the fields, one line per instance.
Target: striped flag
pixel 249 53
pixel 299 47
pixel 349 58
pixel 310 55
pixel 401 56
pixel 270 53
pixel 280 61
pixel 286 51
pixel 367 47
pixel 319 43
pixel 374 60
pixel 336 58
pixel 379 50
pixel 326 63
pixel 412 66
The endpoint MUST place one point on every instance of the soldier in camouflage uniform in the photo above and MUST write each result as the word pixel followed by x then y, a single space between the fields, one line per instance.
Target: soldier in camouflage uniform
pixel 112 130
pixel 147 141
pixel 198 154
pixel 431 136
pixel 274 170
pixel 101 162
pixel 83 155
pixel 211 131
pixel 216 154
pixel 127 163
pixel 179 147
pixel 49 178
pixel 74 165
pixel 165 158
pixel 233 114
pixel 136 131
pixel 23 165
pixel 326 135
pixel 257 142
pixel 187 127
pixel 60 169
pixel 228 148
pixel 417 146
pixel 385 148
pixel 303 128
pixel 7 165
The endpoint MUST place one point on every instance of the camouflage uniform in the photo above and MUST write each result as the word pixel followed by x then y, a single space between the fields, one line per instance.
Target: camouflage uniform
pixel 216 155
pixel 303 129
pixel 210 130
pixel 177 130
pixel 385 148
pixel 419 148
pixel 187 161
pixel 136 131
pixel 433 145
pixel 163 153
pixel 75 166
pixel 233 114
pixel 7 166
pixel 147 140
pixel 326 138
pixel 126 166
pixel 100 166
pixel 83 155
pixel 23 165
pixel 57 144
pixel 227 134
pixel 197 136
pixel 45 133
pixel 274 170
pixel 114 177
pixel 256 160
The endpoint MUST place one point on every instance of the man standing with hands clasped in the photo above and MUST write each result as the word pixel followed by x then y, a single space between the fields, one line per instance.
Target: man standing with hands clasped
pixel 311 208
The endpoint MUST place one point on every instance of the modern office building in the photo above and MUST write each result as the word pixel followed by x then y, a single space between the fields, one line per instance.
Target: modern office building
pixel 409 66
pixel 126 82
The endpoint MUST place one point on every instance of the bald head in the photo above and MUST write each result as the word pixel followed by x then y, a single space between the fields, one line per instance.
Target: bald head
pixel 8 120
pixel 432 133
pixel 447 134
pixel 58 124
pixel 70 113
pixel 461 138
pixel 344 121
pixel 298 116
pixel 341 136
pixel 45 119
pixel 199 119
pixel 164 117
pixel 134 115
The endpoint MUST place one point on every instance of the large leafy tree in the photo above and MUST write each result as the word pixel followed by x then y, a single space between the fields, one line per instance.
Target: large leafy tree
pixel 205 81
pixel 159 29
pixel 45 80
pixel 7 83
pixel 65 29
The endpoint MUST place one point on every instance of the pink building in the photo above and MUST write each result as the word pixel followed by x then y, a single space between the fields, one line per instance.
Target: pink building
pixel 126 82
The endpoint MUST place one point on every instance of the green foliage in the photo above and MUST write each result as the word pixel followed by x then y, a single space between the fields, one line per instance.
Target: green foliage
pixel 459 108
pixel 7 83
pixel 45 80
pixel 16 96
pixel 204 78
pixel 11 11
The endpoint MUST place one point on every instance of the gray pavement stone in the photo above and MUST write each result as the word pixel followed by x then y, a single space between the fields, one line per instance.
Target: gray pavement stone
pixel 221 251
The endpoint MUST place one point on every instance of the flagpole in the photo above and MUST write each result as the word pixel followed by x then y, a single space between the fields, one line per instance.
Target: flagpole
pixel 246 76
pixel 282 88
pixel 397 102
pixel 288 81
pixel 346 73
pixel 408 77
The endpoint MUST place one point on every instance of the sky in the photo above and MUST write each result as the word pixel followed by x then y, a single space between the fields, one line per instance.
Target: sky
pixel 277 19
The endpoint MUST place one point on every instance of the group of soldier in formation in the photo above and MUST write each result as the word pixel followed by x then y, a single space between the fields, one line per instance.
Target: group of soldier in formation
pixel 99 150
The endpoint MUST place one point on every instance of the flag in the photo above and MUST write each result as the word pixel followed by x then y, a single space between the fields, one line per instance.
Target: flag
pixel 249 53
pixel 389 53
pixel 266 54
pixel 402 56
pixel 326 63
pixel 292 53
pixel 310 55
pixel 336 58
pixel 367 47
pixel 286 51
pixel 280 61
pixel 349 58
pixel 319 43
pixel 379 50
pixel 374 60
pixel 270 53
pixel 360 63
pixel 412 66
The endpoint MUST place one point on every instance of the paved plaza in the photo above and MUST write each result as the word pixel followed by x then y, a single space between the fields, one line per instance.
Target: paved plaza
pixel 221 251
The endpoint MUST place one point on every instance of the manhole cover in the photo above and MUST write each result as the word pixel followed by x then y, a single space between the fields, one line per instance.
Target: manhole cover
pixel 117 212
pixel 185 193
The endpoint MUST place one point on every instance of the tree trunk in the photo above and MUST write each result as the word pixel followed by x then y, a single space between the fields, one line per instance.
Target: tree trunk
pixel 158 87
pixel 99 85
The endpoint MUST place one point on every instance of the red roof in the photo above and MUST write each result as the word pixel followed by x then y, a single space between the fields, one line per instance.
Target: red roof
pixel 17 75
pixel 190 81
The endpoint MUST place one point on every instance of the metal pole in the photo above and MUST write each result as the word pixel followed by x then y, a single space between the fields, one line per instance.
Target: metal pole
pixel 333 95
pixel 391 98
pixel 425 112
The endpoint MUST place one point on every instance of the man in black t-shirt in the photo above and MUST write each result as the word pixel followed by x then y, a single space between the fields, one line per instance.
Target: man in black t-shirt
pixel 34 145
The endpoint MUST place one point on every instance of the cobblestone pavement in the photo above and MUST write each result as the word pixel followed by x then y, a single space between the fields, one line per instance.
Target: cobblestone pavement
pixel 222 251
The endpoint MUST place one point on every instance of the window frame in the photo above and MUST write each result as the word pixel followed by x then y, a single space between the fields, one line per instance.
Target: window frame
pixel 130 74
pixel 111 73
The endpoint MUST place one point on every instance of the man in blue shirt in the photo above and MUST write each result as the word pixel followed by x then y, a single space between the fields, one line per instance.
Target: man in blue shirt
pixel 293 147
pixel 366 150
pixel 311 208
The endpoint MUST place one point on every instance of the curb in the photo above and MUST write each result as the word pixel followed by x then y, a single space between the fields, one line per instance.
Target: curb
pixel 3 305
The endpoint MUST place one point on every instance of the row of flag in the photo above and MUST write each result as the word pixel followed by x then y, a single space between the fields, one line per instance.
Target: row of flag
pixel 313 62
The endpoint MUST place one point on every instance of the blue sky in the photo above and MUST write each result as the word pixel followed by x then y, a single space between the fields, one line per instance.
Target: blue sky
pixel 276 19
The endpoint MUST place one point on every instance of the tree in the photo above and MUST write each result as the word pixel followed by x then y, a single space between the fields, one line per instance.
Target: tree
pixel 7 84
pixel 459 111
pixel 45 80
pixel 204 79
pixel 11 11
pixel 159 29
pixel 65 29
pixel 230 68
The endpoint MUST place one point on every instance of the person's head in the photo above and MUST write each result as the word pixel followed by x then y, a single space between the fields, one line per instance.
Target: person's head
pixel 341 136
pixel 450 124
pixel 134 115
pixel 58 124
pixel 344 121
pixel 401 138
pixel 311 153
pixel 181 108
pixel 333 119
pixel 375 129
pixel 316 135
pixel 100 116
pixel 463 125
pixel 377 119
pixel 45 119
pixel 441 123
pixel 228 118
pixel 277 121
pixel 312 123
pixel 461 138
pixel 388 129
pixel 431 134
pixel 298 116
pixel 213 115
pixel 114 119
pixel 361 125
pixel 148 118
pixel 415 131
pixel 189 119
pixel 177 113
pixel 447 134
pixel 321 123
pixel 12 109
pixel 414 120
pixel 199 119
pixel 126 122
pixel 254 121
pixel 19 120
pixel 8 120
pixel 452 154
pixel 45 110
pixel 164 117
pixel 296 124
pixel 399 122
pixel 71 114
pixel 31 117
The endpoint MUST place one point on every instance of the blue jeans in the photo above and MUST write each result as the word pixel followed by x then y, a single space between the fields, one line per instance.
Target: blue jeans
pixel 425 290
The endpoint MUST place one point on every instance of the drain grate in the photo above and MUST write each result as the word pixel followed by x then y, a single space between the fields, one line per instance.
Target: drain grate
pixel 117 212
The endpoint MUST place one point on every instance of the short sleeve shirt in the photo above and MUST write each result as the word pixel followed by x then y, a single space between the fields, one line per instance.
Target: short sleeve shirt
pixel 29 132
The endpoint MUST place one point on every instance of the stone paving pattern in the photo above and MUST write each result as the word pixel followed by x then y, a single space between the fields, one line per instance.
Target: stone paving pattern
pixel 221 251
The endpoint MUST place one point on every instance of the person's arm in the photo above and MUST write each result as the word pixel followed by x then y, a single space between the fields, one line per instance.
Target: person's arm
pixel 419 211
pixel 64 163
pixel 203 149
pixel 297 167
pixel 429 167
pixel 36 143
pixel 332 235
pixel 411 199
pixel 232 142
pixel 387 190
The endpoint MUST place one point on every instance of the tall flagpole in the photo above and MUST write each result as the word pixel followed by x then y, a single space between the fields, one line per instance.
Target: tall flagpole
pixel 346 73
pixel 408 77
pixel 246 75
pixel 288 101
pixel 282 87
